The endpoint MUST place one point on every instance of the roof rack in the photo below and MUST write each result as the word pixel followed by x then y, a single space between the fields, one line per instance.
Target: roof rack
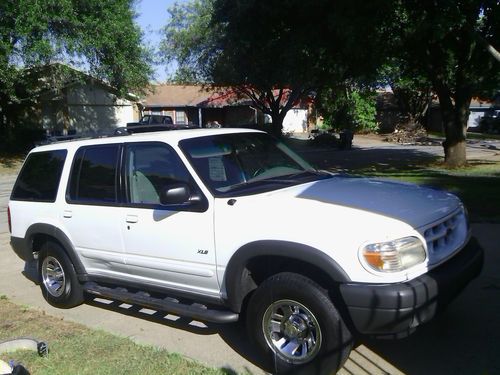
pixel 118 132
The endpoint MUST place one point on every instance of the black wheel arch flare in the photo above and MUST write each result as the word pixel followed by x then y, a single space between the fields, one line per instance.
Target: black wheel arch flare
pixel 238 283
pixel 57 234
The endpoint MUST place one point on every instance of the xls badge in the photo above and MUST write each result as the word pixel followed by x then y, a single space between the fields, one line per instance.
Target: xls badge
pixel 203 252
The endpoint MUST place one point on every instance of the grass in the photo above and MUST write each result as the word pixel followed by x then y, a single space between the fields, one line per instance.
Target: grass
pixel 478 184
pixel 75 349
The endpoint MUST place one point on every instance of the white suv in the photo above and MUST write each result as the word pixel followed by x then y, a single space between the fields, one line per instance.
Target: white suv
pixel 212 224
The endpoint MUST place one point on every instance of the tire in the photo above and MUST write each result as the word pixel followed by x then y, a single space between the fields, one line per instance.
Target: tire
pixel 296 326
pixel 58 280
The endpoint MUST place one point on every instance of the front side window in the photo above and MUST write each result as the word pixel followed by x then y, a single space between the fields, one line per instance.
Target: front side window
pixel 149 169
pixel 39 178
pixel 94 175
pixel 238 163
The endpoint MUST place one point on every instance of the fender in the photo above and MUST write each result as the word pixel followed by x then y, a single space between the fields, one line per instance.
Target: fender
pixel 237 283
pixel 59 235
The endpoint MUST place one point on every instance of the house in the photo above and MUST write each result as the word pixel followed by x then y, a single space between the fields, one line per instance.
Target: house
pixel 479 108
pixel 193 104
pixel 389 113
pixel 64 100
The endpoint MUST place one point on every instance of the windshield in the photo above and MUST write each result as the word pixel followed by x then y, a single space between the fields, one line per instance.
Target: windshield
pixel 230 163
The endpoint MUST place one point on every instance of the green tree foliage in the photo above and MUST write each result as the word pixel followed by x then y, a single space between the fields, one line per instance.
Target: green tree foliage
pixel 413 92
pixel 190 39
pixel 452 45
pixel 209 48
pixel 348 107
pixel 98 36
pixel 274 52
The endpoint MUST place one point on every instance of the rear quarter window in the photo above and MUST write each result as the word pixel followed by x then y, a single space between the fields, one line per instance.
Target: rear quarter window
pixel 94 175
pixel 39 178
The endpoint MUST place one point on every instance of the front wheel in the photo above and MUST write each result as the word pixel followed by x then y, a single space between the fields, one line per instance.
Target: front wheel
pixel 59 283
pixel 296 325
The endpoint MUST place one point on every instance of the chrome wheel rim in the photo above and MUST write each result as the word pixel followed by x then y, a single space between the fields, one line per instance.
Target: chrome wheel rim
pixel 292 331
pixel 53 277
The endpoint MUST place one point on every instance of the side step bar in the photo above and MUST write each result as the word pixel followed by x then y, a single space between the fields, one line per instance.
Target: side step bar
pixel 171 305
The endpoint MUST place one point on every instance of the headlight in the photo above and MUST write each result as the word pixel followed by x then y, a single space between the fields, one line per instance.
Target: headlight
pixel 393 256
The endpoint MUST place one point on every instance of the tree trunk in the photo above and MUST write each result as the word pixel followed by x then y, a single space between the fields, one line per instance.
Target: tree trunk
pixel 277 125
pixel 455 117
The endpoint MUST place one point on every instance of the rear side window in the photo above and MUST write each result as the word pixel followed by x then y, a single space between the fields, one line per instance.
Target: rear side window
pixel 40 176
pixel 94 175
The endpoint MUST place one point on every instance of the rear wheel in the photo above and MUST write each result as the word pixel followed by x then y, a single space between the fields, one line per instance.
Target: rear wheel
pixel 59 283
pixel 297 327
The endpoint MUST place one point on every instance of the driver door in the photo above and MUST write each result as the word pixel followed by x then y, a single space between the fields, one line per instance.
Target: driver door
pixel 166 245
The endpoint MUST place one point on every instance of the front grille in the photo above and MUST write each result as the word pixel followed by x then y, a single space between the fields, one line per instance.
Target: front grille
pixel 445 236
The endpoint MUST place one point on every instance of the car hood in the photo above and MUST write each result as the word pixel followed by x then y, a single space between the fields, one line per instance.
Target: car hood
pixel 413 204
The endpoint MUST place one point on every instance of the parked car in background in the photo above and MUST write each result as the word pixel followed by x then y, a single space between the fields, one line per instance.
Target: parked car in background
pixel 152 120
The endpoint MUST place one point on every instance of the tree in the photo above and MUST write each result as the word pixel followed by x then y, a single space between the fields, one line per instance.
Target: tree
pixel 450 44
pixel 348 107
pixel 210 47
pixel 274 52
pixel 413 92
pixel 97 36
pixel 191 40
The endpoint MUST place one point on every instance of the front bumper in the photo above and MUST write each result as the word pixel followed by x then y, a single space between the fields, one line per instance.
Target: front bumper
pixel 398 308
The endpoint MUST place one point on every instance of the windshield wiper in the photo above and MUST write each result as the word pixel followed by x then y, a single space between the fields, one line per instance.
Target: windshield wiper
pixel 279 180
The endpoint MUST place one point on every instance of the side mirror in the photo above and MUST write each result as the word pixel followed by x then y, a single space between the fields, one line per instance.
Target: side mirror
pixel 177 193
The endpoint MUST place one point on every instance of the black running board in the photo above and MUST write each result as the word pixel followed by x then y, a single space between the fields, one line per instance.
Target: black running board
pixel 171 305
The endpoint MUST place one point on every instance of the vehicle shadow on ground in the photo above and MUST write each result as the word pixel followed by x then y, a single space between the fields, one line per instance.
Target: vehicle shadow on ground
pixel 464 338
pixel 234 334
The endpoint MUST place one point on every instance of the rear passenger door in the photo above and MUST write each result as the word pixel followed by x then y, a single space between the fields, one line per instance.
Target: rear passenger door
pixel 170 246
pixel 92 213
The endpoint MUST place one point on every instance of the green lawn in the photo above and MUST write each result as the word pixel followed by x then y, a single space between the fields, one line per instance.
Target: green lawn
pixel 75 349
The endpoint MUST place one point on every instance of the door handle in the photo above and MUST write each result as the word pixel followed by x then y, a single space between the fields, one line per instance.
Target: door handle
pixel 67 214
pixel 132 219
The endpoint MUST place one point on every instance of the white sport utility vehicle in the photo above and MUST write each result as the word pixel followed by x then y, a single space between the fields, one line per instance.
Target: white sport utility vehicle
pixel 221 218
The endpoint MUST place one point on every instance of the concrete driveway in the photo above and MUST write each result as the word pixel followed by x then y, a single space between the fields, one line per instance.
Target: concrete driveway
pixel 463 340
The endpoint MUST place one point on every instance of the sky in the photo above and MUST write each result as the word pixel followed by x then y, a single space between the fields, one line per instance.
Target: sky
pixel 152 15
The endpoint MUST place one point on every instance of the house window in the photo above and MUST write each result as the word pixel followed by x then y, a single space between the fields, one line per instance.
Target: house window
pixel 180 117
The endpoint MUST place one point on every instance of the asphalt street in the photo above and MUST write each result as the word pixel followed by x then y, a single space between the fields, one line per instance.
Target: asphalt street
pixel 463 340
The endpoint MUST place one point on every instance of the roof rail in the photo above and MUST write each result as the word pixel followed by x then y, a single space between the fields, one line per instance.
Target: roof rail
pixel 74 137
pixel 120 131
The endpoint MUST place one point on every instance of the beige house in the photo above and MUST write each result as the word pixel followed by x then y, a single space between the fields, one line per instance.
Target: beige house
pixel 86 107
pixel 69 101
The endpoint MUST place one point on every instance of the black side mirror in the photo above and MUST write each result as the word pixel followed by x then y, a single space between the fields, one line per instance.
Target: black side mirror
pixel 176 193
